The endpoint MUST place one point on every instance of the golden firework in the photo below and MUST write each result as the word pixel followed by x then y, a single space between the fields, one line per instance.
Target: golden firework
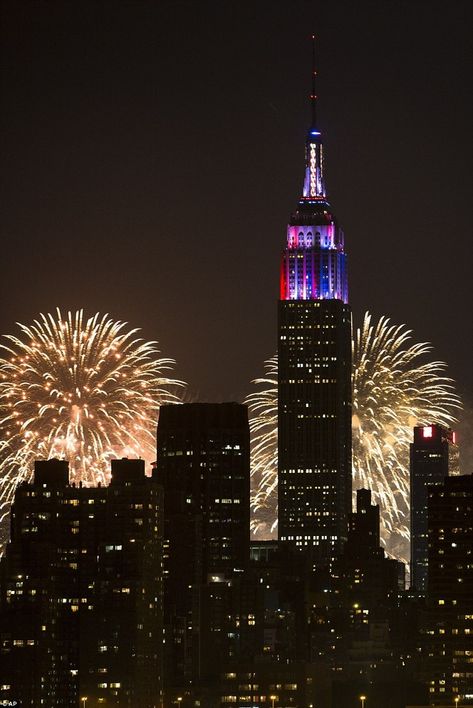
pixel 81 389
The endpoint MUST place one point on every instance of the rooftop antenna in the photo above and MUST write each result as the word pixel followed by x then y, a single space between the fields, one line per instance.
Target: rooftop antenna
pixel 313 95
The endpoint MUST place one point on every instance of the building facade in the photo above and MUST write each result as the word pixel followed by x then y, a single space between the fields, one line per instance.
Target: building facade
pixel 448 633
pixel 366 577
pixel 81 591
pixel 433 455
pixel 203 465
pixel 314 365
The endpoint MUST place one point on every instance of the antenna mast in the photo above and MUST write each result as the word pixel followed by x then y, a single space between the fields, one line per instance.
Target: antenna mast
pixel 313 95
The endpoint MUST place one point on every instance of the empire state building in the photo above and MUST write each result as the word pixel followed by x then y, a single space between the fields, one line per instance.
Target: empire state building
pixel 314 386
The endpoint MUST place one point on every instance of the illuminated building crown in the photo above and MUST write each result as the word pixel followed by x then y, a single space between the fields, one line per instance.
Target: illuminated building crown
pixel 313 265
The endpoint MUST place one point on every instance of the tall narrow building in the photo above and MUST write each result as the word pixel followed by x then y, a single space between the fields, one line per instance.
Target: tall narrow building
pixel 433 456
pixel 448 630
pixel 203 465
pixel 314 388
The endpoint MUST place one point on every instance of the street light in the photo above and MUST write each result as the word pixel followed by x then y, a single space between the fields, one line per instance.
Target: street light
pixel 457 701
pixel 83 700
pixel 272 698
pixel 362 699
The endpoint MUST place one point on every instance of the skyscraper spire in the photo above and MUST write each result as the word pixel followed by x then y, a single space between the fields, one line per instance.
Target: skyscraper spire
pixel 313 265
pixel 314 185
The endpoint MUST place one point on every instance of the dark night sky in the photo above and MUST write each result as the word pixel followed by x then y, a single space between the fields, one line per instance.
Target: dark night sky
pixel 153 151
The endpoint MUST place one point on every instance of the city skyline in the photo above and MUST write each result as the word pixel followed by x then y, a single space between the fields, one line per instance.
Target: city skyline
pixel 150 154
pixel 106 148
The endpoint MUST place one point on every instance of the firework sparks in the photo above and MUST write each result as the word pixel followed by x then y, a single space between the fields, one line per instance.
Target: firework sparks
pixel 85 390
pixel 263 407
pixel 392 392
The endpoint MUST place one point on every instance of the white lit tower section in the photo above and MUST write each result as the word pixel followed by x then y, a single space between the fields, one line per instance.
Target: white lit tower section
pixel 314 388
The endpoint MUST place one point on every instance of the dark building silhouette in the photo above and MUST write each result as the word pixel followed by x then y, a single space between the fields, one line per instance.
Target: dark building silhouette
pixel 203 464
pixel 363 534
pixel 273 661
pixel 314 372
pixel 81 591
pixel 431 457
pixel 367 579
pixel 374 658
pixel 448 636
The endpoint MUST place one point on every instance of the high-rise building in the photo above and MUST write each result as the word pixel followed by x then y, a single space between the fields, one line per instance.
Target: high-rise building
pixel 432 457
pixel 314 381
pixel 81 591
pixel 449 626
pixel 203 465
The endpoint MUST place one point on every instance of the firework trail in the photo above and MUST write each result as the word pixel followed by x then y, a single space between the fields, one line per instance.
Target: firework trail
pixel 85 390
pixel 392 392
pixel 263 408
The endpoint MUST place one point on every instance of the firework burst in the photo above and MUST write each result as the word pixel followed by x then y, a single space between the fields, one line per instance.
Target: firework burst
pixel 392 392
pixel 85 390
